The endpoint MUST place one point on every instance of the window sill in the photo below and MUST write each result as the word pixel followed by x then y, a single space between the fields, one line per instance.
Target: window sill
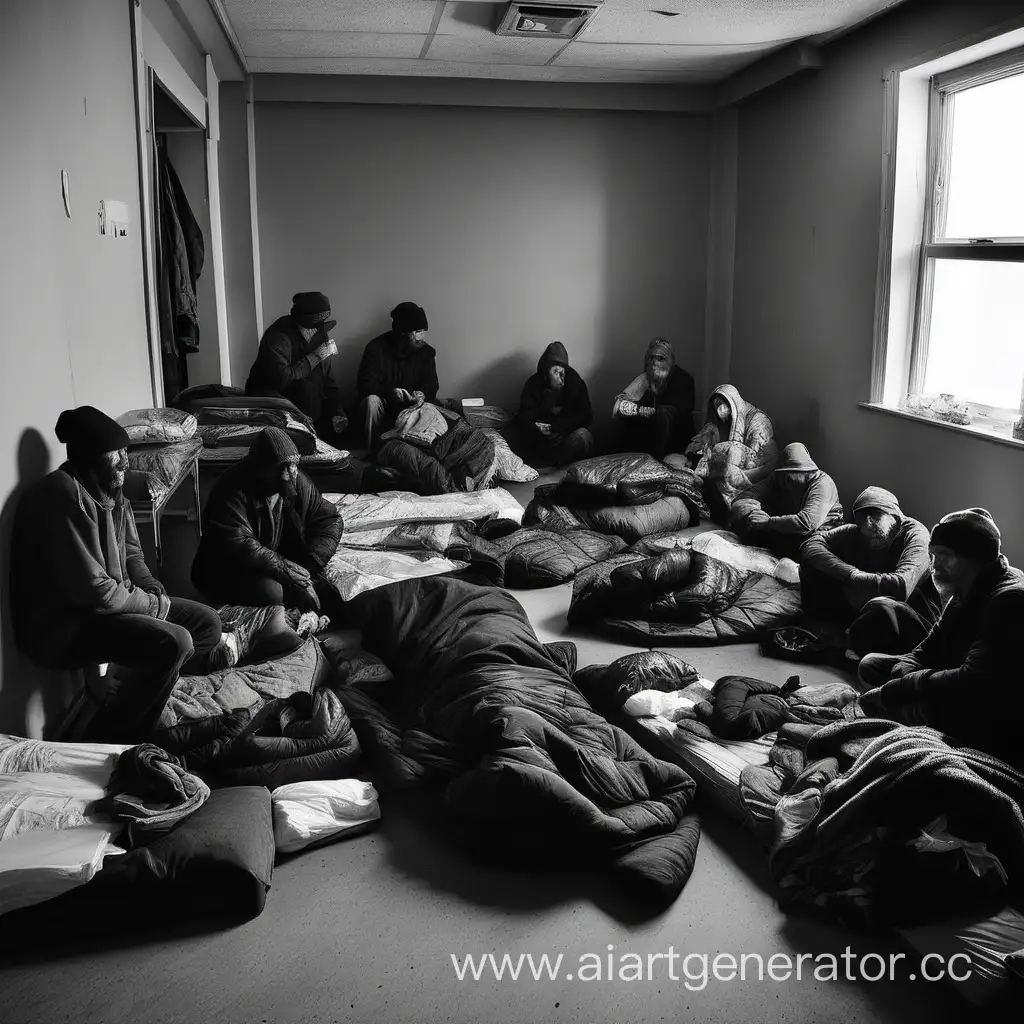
pixel 983 433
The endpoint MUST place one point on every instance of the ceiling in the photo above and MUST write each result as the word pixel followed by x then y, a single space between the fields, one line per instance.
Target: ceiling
pixel 688 42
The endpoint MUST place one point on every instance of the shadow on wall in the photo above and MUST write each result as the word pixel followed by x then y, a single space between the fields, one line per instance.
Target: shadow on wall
pixel 30 697
pixel 512 371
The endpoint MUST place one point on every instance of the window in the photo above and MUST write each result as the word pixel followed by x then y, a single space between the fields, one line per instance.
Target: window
pixel 953 342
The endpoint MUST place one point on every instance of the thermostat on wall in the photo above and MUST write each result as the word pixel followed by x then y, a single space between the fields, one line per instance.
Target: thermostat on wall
pixel 113 218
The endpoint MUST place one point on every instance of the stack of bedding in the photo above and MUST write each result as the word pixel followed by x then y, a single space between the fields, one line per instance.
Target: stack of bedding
pixel 162 443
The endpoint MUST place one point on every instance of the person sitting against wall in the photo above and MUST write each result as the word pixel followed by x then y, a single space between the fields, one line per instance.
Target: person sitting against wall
pixel 268 533
pixel 966 678
pixel 654 413
pixel 787 507
pixel 734 450
pixel 398 370
pixel 550 428
pixel 82 594
pixel 872 577
pixel 294 362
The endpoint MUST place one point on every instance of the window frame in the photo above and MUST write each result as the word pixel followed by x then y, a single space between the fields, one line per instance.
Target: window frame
pixel 935 243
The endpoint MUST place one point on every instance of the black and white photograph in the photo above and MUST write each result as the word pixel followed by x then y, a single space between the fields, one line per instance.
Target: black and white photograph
pixel 510 511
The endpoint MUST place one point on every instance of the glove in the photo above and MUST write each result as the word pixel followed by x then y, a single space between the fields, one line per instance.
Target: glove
pixel 646 411
pixel 325 350
pixel 339 423
pixel 627 408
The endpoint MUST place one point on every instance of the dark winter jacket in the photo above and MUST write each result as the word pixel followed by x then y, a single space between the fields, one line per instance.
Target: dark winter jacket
pixel 566 410
pixel 183 254
pixel 966 677
pixel 73 556
pixel 285 366
pixel 383 369
pixel 900 571
pixel 242 534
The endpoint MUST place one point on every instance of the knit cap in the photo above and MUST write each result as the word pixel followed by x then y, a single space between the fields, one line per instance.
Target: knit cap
pixel 880 498
pixel 312 309
pixel 969 533
pixel 87 432
pixel 407 317
pixel 272 448
pixel 659 346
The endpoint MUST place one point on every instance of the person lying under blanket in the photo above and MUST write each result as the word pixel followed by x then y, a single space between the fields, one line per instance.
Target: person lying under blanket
pixel 786 508
pixel 532 774
pixel 655 412
pixel 82 594
pixel 872 577
pixel 267 531
pixel 966 678
pixel 551 427
pixel 734 450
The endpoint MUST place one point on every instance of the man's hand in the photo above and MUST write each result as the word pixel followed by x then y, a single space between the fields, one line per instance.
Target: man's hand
pixel 164 605
pixel 402 396
pixel 325 350
pixel 418 398
pixel 627 408
pixel 297 575
pixel 544 428
pixel 339 423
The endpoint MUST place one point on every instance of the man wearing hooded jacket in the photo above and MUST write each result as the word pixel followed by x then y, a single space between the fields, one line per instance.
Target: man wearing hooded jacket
pixel 655 412
pixel 550 428
pixel 872 576
pixel 82 593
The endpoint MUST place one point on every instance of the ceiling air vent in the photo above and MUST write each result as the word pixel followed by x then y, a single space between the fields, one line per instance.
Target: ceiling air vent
pixel 545 21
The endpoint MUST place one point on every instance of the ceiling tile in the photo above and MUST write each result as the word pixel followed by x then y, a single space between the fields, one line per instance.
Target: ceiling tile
pixel 708 59
pixel 405 16
pixel 722 21
pixel 333 44
pixel 493 49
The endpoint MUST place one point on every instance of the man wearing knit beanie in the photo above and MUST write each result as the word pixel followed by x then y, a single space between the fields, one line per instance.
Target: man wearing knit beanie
pixel 295 361
pixel 872 577
pixel 398 370
pixel 654 413
pixel 83 595
pixel 268 533
pixel 966 678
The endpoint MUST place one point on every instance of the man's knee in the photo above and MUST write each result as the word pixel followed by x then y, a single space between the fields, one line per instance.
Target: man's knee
pixel 582 441
pixel 171 645
pixel 876 669
pixel 373 407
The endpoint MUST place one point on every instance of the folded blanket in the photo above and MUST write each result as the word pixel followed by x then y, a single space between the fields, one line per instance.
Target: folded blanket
pixel 151 791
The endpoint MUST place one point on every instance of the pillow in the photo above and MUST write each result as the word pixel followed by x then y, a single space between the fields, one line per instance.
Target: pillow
pixel 158 426
pixel 507 465
pixel 315 812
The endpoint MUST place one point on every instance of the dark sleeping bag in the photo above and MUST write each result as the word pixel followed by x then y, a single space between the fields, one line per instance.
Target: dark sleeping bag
pixel 538 557
pixel 461 459
pixel 481 705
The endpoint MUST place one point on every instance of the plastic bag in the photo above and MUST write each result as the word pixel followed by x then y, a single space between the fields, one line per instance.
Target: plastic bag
pixel 311 812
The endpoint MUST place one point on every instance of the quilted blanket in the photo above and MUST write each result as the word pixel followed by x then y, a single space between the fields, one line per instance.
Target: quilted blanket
pixel 529 768
pixel 689 595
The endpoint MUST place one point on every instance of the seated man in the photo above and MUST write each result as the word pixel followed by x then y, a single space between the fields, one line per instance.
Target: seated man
pixel 550 428
pixel 872 577
pixel 786 508
pixel 397 370
pixel 294 361
pixel 734 450
pixel 655 412
pixel 267 531
pixel 966 677
pixel 82 593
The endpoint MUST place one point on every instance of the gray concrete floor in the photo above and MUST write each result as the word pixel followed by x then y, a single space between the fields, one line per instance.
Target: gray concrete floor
pixel 364 930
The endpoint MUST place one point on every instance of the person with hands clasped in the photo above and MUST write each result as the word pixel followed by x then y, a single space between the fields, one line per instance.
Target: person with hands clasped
pixel 268 533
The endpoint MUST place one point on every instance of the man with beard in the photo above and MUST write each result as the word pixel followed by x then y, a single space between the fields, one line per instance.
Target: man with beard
pixel 550 428
pixel 872 577
pixel 294 361
pixel 82 593
pixel 267 531
pixel 655 412
pixel 397 370
pixel 966 678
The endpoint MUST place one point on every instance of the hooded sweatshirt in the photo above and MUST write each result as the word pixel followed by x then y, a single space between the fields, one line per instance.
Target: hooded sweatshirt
pixel 566 410
pixel 900 570
pixel 73 555
pixel 798 498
